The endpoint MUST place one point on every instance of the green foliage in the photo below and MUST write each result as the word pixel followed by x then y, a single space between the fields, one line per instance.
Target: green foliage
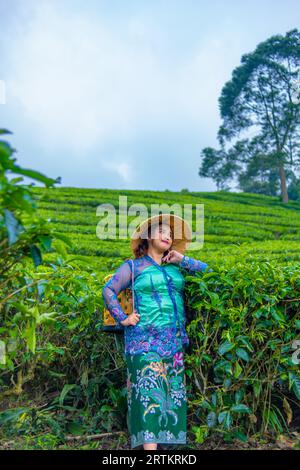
pixel 243 316
pixel 236 225
pixel 49 340
pixel 258 101
pixel 243 324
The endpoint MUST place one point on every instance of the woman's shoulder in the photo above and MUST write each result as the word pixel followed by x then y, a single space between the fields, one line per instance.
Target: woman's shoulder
pixel 135 262
pixel 139 260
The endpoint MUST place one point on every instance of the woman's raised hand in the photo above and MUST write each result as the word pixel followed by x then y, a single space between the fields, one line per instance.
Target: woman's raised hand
pixel 173 257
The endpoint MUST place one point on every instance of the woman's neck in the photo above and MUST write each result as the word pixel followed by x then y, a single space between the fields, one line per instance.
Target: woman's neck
pixel 156 256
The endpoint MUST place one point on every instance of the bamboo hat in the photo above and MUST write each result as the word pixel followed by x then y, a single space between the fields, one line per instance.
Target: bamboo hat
pixel 182 233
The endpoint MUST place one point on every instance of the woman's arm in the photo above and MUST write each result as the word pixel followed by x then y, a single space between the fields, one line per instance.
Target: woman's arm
pixel 193 265
pixel 118 282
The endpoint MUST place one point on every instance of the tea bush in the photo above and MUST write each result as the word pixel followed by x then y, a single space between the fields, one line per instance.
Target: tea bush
pixel 243 363
pixel 60 374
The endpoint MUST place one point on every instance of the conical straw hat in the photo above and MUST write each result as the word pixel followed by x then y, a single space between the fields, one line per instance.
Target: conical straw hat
pixel 182 232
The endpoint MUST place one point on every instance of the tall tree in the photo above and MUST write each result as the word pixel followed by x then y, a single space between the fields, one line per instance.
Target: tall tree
pixel 262 100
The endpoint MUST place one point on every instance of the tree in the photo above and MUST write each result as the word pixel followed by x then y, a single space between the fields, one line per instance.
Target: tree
pixel 294 188
pixel 261 99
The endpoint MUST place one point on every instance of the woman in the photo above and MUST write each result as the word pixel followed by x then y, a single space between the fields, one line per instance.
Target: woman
pixel 154 333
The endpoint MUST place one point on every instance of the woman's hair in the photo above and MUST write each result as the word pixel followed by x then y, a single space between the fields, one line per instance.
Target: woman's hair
pixel 143 246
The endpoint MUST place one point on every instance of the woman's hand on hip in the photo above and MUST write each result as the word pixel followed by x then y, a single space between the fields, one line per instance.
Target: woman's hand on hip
pixel 132 319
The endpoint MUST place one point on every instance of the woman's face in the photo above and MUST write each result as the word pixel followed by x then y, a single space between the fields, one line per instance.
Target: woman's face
pixel 162 238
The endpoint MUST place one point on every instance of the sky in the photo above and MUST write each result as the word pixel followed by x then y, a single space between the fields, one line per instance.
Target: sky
pixel 124 94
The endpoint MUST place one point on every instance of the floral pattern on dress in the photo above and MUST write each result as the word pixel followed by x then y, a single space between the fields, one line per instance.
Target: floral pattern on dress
pixel 129 388
pixel 165 341
pixel 139 339
pixel 155 397
pixel 163 437
pixel 178 359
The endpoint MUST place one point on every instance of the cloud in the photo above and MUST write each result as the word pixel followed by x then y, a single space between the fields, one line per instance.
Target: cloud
pixel 126 95
pixel 82 84
pixel 79 83
pixel 122 168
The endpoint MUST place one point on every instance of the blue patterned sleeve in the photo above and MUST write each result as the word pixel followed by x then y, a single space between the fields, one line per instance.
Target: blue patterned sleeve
pixel 193 265
pixel 118 282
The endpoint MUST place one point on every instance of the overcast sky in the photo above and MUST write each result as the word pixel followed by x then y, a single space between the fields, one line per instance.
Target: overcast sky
pixel 124 93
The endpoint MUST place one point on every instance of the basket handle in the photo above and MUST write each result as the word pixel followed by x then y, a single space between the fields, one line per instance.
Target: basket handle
pixel 132 286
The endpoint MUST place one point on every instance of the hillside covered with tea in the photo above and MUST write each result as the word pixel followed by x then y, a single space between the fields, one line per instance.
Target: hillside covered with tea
pixel 237 226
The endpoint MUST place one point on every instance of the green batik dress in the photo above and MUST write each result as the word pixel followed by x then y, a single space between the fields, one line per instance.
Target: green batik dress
pixel 154 347
pixel 157 403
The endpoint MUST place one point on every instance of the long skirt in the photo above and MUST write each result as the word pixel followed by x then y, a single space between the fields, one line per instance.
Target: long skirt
pixel 157 399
